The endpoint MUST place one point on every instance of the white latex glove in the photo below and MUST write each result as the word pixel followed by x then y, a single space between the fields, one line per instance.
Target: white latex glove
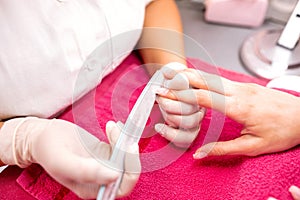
pixel 71 155
pixel 183 119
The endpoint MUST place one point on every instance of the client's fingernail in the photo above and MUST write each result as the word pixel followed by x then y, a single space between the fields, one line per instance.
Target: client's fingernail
pixel 295 191
pixel 162 91
pixel 159 128
pixel 109 126
pixel 199 155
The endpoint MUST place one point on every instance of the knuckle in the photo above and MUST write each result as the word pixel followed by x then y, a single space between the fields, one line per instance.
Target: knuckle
pixel 252 88
pixel 232 107
pixel 191 108
pixel 236 107
pixel 163 104
pixel 168 118
pixel 192 121
pixel 80 175
pixel 197 97
pixel 254 150
pixel 189 123
pixel 218 151
pixel 184 138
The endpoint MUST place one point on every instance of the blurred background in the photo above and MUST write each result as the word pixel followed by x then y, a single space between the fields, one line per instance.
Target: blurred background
pixel 219 43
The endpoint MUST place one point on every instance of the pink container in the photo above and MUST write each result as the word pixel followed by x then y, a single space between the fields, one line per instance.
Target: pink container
pixel 249 13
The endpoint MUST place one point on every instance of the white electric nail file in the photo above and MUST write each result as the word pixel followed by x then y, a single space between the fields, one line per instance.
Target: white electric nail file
pixel 291 32
pixel 132 132
pixel 286 43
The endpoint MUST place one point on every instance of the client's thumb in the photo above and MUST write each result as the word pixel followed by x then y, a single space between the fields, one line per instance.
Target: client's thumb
pixel 243 145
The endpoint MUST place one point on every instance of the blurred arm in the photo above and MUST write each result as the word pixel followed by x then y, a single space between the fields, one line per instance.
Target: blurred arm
pixel 162 39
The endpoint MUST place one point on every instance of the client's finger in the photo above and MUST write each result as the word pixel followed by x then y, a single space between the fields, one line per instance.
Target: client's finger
pixel 295 191
pixel 183 121
pixel 178 82
pixel 180 137
pixel 207 81
pixel 176 107
pixel 201 97
pixel 243 145
pixel 171 69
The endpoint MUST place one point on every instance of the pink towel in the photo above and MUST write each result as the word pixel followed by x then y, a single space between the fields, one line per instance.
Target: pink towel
pixel 165 177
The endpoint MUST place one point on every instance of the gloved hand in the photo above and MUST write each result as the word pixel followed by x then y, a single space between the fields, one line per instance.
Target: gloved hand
pixel 183 119
pixel 71 155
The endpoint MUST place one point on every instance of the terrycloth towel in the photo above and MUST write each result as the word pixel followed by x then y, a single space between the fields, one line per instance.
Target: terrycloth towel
pixel 168 172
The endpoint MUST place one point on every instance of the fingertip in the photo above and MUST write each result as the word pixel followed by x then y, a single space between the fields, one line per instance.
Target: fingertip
pixel 295 191
pixel 162 91
pixel 171 69
pixel 293 188
pixel 160 128
pixel 113 131
pixel 110 126
pixel 199 155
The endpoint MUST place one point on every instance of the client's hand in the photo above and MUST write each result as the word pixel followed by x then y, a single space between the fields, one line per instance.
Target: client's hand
pixel 268 115
pixel 183 119
pixel 71 155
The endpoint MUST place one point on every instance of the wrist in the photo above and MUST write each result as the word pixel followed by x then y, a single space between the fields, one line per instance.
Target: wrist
pixel 10 143
pixel 27 140
pixel 16 138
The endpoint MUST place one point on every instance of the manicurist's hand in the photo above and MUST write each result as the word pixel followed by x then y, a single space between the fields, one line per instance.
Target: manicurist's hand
pixel 269 116
pixel 71 155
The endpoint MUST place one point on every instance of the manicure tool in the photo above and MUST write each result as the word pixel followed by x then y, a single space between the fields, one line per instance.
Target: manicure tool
pixel 132 132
